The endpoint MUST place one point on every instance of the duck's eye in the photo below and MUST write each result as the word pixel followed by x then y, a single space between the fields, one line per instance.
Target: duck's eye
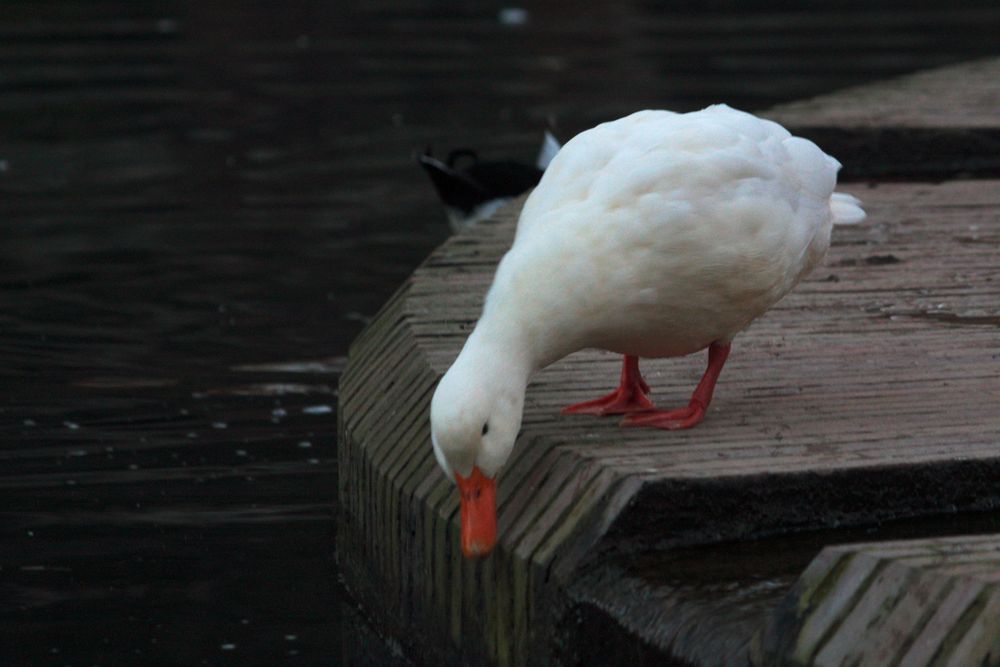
pixel 486 428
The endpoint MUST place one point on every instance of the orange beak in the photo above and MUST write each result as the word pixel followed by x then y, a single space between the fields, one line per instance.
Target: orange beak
pixel 479 513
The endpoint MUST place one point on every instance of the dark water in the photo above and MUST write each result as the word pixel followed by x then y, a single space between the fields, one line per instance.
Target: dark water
pixel 201 204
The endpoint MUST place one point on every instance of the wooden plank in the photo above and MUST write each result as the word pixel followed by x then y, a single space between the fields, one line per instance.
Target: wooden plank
pixel 980 644
pixel 840 596
pixel 936 123
pixel 896 603
pixel 958 96
pixel 885 600
pixel 945 617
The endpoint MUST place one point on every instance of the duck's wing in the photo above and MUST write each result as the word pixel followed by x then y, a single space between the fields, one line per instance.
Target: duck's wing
pixel 716 163
pixel 571 174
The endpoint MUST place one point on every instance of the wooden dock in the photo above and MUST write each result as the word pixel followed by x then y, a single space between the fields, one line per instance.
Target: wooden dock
pixel 863 408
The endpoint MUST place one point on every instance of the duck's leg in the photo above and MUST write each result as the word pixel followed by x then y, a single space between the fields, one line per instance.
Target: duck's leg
pixel 694 412
pixel 631 395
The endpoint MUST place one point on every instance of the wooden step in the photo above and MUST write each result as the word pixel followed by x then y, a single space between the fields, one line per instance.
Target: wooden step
pixel 915 602
pixel 868 395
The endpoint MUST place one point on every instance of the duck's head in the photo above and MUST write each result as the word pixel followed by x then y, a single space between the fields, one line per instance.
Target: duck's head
pixel 475 418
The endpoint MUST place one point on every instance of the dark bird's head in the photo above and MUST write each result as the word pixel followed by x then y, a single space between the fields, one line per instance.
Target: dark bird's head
pixel 471 189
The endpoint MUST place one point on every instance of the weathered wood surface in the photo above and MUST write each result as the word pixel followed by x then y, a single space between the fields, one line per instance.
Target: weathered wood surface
pixel 868 394
pixel 913 603
pixel 939 123
pixel 958 96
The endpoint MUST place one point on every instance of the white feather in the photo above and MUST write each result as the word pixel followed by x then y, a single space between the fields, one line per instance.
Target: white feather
pixel 550 146
pixel 846 209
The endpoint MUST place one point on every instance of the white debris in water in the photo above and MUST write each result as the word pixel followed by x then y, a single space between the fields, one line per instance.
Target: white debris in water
pixel 132 466
pixel 192 435
pixel 513 16
pixel 71 425
pixel 4 166
pixel 228 647
pixel 314 461
pixel 29 422
pixel 241 452
pixel 220 425
pixel 326 365
pixel 274 389
pixel 353 315
pixel 279 412
pixel 77 453
pixel 317 410
pixel 291 638
pixel 245 621
pixel 305 444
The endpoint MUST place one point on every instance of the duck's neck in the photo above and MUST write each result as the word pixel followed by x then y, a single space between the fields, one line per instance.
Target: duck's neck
pixel 502 351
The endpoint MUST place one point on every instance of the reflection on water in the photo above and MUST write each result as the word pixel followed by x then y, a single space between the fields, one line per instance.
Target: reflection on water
pixel 201 205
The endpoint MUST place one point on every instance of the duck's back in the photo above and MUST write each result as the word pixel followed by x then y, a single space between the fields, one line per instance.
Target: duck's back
pixel 677 157
pixel 689 225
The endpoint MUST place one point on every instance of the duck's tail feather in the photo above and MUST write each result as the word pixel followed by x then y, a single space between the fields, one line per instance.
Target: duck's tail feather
pixel 846 209
pixel 550 146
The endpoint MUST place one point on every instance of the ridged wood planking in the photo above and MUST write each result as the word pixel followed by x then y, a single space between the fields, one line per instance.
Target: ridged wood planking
pixel 871 390
pixel 912 603
pixel 402 512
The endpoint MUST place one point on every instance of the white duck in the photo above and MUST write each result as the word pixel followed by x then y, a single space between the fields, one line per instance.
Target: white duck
pixel 656 235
